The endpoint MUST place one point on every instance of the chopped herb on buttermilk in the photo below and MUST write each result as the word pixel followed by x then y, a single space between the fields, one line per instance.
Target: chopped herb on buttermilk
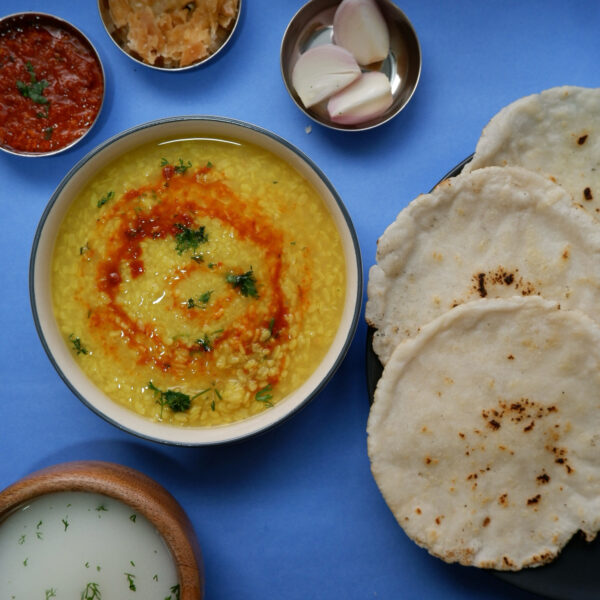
pixel 130 581
pixel 91 592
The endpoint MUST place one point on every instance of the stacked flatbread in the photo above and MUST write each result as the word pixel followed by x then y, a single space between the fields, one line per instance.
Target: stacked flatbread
pixel 486 301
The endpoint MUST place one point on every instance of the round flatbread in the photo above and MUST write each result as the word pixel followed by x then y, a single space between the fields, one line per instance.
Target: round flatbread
pixel 556 132
pixel 495 232
pixel 485 430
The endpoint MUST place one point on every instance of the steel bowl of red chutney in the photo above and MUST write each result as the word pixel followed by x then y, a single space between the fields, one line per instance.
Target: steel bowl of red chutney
pixel 51 84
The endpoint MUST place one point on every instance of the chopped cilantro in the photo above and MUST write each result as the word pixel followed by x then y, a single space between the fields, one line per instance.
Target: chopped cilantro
pixel 189 239
pixel 91 592
pixel 216 395
pixel 34 90
pixel 204 343
pixel 130 580
pixel 201 301
pixel 106 199
pixel 264 395
pixel 48 132
pixel 77 345
pixel 180 168
pixel 176 401
pixel 174 592
pixel 246 283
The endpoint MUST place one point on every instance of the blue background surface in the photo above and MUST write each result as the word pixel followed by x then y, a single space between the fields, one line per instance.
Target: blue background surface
pixel 295 513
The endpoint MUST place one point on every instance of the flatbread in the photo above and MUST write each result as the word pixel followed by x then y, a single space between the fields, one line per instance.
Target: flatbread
pixel 485 429
pixel 556 132
pixel 494 232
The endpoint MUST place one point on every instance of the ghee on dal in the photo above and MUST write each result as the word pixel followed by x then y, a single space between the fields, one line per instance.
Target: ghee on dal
pixel 198 282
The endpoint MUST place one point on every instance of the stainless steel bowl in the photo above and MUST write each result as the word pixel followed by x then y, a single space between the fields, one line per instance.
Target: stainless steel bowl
pixel 119 39
pixel 18 20
pixel 312 26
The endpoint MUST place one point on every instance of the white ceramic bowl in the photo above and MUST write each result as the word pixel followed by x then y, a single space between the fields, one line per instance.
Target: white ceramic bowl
pixel 40 268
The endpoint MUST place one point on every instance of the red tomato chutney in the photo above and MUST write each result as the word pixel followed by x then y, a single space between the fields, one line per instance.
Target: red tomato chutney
pixel 51 84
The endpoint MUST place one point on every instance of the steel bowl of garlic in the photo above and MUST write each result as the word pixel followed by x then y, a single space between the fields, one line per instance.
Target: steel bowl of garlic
pixel 350 65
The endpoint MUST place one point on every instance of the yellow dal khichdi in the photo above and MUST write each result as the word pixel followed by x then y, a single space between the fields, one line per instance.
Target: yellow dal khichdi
pixel 198 282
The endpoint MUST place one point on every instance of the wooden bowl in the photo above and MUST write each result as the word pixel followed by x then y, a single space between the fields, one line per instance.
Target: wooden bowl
pixel 130 487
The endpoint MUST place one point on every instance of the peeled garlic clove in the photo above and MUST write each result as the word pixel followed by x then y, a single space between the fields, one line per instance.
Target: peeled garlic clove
pixel 366 98
pixel 322 71
pixel 359 26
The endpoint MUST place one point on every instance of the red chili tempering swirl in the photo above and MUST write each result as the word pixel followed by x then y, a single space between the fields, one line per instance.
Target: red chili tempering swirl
pixel 51 85
pixel 186 201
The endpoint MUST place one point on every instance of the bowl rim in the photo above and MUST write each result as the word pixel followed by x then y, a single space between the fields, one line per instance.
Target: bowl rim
pixel 390 5
pixel 354 297
pixel 194 65
pixel 130 487
pixel 67 25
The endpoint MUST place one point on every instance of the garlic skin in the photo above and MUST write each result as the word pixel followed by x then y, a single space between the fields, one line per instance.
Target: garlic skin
pixel 359 26
pixel 366 98
pixel 322 71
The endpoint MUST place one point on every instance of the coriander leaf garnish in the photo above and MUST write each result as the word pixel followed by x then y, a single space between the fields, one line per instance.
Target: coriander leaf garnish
pixel 48 132
pixel 176 401
pixel 264 395
pixel 65 522
pixel 51 593
pixel 21 540
pixel 91 592
pixel 174 590
pixel 201 301
pixel 34 90
pixel 77 345
pixel 189 239
pixel 133 517
pixel 181 168
pixel 204 343
pixel 216 395
pixel 101 508
pixel 130 580
pixel 246 283
pixel 106 198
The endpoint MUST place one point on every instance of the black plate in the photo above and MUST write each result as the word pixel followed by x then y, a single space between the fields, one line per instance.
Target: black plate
pixel 575 574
